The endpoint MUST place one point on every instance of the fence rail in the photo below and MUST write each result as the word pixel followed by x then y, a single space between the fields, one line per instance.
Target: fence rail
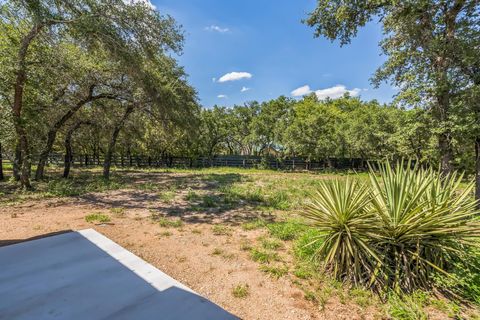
pixel 239 161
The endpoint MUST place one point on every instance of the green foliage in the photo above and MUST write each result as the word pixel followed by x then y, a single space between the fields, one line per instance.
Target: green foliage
pixel 97 217
pixel 396 232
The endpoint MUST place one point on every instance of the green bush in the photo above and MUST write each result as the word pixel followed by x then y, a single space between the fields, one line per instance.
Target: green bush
pixel 399 230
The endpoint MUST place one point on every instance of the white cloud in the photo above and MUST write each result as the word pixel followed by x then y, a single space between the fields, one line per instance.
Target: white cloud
pixel 301 91
pixel 217 29
pixel 244 89
pixel 336 92
pixel 222 96
pixel 333 92
pixel 233 76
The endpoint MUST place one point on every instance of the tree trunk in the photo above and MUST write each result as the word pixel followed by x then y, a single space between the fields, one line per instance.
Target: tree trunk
pixel 52 133
pixel 113 140
pixel 446 152
pixel 1 164
pixel 20 80
pixel 17 162
pixel 477 170
pixel 68 148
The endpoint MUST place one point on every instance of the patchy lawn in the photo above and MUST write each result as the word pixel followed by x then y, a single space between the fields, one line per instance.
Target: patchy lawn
pixel 232 235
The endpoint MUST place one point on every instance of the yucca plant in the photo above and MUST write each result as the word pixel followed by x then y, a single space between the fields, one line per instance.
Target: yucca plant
pixel 425 219
pixel 342 213
pixel 395 231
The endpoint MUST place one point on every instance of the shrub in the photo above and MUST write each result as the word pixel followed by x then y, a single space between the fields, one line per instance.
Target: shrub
pixel 397 231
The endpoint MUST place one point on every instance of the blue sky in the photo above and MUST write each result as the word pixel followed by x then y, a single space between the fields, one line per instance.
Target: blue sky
pixel 264 45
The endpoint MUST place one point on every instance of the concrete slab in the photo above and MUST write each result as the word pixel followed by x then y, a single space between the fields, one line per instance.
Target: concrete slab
pixel 84 275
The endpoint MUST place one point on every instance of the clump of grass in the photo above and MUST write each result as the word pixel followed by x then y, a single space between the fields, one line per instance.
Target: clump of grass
pixel 307 244
pixel 209 202
pixel 274 271
pixel 118 211
pixel 241 291
pixel 192 196
pixel 97 217
pixel 304 270
pixel 196 231
pixel 287 230
pixel 254 224
pixel 245 246
pixel 263 256
pixel 362 297
pixel 271 244
pixel 279 200
pixel 220 230
pixel 165 234
pixel 170 223
pixel 408 307
pixel 166 196
pixel 217 251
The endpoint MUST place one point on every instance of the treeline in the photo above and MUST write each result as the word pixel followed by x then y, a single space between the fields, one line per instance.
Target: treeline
pixel 86 68
pixel 100 78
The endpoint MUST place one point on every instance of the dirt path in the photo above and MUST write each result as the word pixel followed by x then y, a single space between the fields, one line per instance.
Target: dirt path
pixel 210 264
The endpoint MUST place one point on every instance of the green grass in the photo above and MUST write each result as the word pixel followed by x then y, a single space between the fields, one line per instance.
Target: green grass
pixel 97 217
pixel 271 244
pixel 288 230
pixel 118 211
pixel 254 224
pixel 241 291
pixel 275 271
pixel 170 223
pixel 221 230
pixel 263 256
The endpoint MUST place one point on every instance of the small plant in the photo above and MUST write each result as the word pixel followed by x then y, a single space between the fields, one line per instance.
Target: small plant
pixel 97 217
pixel 263 256
pixel 220 230
pixel 165 234
pixel 241 291
pixel 275 271
pixel 166 196
pixel 118 211
pixel 170 223
pixel 192 196
pixel 245 246
pixel 196 231
pixel 217 252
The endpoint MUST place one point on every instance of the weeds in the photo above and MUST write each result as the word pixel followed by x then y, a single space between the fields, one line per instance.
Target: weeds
pixel 97 217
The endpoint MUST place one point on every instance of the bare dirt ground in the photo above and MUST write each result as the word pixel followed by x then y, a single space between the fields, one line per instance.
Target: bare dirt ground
pixel 210 264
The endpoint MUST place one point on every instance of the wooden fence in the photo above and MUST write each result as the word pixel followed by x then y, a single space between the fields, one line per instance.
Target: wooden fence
pixel 239 161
